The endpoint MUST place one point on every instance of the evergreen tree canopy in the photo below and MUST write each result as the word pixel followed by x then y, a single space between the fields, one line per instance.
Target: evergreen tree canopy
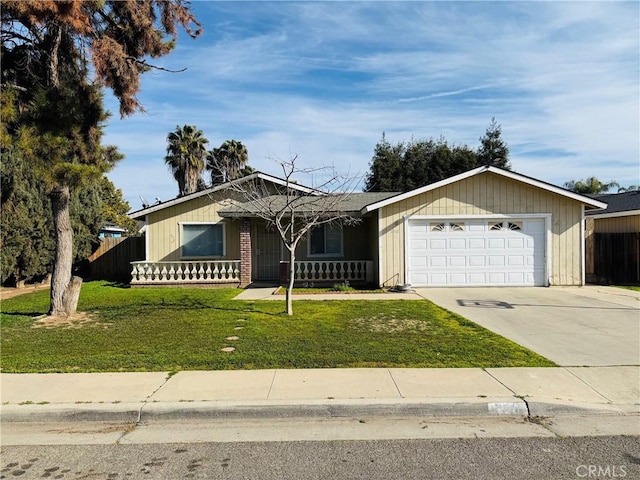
pixel 493 150
pixel 48 50
pixel 406 166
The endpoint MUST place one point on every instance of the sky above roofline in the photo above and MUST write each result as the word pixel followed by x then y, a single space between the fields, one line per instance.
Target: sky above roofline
pixel 324 80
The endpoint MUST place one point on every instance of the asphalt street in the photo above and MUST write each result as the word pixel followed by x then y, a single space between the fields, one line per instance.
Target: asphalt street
pixel 496 458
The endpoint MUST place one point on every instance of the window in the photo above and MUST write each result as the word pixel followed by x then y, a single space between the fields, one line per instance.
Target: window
pixel 325 240
pixel 456 227
pixel 495 226
pixel 202 239
pixel 437 227
pixel 515 225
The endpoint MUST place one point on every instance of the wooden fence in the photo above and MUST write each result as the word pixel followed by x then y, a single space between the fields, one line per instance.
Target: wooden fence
pixel 617 258
pixel 112 260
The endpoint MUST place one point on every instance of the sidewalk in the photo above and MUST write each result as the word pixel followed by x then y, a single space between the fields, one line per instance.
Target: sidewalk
pixel 321 393
pixel 268 293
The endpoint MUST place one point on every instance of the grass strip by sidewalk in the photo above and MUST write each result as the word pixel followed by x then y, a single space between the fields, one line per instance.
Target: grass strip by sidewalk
pixel 165 329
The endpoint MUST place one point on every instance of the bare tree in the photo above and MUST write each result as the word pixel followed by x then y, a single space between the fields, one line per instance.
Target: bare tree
pixel 294 213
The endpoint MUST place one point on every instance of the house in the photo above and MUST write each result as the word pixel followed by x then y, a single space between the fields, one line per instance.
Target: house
pixel 484 227
pixel 111 230
pixel 612 239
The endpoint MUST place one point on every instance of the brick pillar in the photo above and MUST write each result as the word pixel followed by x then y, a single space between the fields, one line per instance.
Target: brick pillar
pixel 245 252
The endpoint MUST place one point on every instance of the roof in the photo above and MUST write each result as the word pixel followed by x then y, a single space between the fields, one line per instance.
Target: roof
pixel 587 201
pixel 140 214
pixel 351 203
pixel 618 204
pixel 111 227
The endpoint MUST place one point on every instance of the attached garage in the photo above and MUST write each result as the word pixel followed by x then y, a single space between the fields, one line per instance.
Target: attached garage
pixel 484 227
pixel 476 251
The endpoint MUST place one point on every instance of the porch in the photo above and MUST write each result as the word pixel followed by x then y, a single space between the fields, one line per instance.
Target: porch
pixel 185 272
pixel 229 272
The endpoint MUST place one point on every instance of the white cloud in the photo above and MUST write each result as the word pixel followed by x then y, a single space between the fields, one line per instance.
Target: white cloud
pixel 324 80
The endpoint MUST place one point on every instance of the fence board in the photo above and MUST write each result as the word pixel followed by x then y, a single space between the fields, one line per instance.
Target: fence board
pixel 112 260
pixel 617 258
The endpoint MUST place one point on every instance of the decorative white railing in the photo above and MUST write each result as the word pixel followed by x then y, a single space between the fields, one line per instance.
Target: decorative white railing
pixel 333 270
pixel 157 273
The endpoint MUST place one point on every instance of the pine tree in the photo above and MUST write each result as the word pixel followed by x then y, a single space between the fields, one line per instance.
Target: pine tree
pixel 47 50
pixel 493 150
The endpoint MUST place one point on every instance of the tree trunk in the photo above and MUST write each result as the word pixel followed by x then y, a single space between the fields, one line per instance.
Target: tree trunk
pixel 64 290
pixel 292 278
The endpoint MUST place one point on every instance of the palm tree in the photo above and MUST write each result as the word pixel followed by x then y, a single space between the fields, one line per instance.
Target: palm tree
pixel 590 185
pixel 186 152
pixel 228 162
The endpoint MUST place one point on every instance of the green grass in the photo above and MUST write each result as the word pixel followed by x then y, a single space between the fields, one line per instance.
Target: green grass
pixel 629 287
pixel 165 329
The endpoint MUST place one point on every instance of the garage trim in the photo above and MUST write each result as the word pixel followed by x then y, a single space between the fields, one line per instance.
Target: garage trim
pixel 547 226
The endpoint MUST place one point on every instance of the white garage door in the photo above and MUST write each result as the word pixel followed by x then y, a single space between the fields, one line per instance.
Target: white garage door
pixel 476 252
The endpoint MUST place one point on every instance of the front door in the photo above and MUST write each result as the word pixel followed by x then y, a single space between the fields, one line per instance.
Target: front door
pixel 265 253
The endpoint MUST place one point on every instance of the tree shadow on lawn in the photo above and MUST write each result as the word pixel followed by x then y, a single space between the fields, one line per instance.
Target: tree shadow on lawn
pixel 23 314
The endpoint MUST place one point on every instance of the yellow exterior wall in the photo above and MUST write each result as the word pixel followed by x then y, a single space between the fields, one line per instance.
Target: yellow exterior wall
pixel 355 243
pixel 487 194
pixel 627 224
pixel 163 229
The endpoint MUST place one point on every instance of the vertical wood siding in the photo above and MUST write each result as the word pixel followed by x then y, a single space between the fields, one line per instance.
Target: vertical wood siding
pixel 629 224
pixel 487 194
pixel 163 228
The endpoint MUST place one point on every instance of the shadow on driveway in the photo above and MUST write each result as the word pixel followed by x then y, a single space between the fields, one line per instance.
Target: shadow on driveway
pixel 571 326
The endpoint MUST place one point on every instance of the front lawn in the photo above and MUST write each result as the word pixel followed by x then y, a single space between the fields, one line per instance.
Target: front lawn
pixel 629 287
pixel 165 329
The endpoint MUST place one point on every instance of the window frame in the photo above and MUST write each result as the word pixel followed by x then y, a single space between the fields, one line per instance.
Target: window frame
pixel 181 226
pixel 324 226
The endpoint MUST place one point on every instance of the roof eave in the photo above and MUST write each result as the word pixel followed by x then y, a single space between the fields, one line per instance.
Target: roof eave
pixel 623 213
pixel 257 175
pixel 587 201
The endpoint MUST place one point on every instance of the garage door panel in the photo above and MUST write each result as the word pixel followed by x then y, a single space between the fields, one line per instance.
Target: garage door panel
pixel 477 243
pixel 496 260
pixel 497 278
pixel 516 278
pixel 418 245
pixel 477 252
pixel 457 278
pixel 515 243
pixel 515 260
pixel 477 260
pixel 458 261
pixel 420 279
pixel 477 279
pixel 534 227
pixel 418 261
pixel 457 243
pixel 438 261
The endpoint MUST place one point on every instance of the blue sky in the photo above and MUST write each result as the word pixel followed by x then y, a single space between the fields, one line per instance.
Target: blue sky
pixel 323 80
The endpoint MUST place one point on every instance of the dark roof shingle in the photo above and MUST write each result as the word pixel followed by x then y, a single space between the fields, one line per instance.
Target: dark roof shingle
pixel 617 202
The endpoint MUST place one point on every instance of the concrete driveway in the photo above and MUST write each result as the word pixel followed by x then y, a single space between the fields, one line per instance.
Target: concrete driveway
pixel 572 326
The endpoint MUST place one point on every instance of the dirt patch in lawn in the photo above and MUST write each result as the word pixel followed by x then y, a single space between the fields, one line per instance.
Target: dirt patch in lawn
pixel 78 320
pixel 390 324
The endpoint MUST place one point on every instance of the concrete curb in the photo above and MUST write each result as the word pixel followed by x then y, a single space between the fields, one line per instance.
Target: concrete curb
pixel 52 413
pixel 547 409
pixel 324 409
